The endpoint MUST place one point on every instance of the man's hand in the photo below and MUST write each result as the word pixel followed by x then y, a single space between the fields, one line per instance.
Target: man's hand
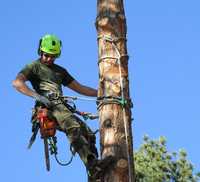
pixel 43 100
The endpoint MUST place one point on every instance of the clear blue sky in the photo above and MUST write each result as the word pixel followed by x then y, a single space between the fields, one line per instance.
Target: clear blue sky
pixel 163 44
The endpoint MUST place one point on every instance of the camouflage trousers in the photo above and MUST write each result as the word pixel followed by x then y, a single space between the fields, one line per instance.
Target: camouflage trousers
pixel 80 136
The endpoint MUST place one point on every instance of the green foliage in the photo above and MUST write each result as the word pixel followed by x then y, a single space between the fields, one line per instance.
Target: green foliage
pixel 153 163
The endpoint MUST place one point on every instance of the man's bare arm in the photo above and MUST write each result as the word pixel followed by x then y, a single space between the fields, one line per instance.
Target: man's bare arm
pixel 20 85
pixel 82 89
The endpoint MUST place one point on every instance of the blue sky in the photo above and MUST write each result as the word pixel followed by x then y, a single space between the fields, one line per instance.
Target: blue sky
pixel 163 45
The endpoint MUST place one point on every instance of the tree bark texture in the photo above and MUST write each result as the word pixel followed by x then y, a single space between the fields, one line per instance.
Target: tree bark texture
pixel 115 107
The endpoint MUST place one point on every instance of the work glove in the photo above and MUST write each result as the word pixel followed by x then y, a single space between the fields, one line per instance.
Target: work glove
pixel 43 100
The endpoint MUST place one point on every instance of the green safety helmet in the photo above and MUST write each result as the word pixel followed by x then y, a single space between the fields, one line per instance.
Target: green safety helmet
pixel 50 44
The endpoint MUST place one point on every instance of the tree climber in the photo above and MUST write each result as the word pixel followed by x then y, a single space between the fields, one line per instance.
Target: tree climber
pixel 47 79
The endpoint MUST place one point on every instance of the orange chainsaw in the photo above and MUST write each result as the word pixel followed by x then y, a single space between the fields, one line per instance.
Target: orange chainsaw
pixel 47 128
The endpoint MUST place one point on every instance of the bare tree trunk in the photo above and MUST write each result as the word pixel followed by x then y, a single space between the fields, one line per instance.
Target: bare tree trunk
pixel 115 105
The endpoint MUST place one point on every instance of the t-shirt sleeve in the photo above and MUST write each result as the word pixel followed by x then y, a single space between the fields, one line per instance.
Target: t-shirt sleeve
pixel 67 78
pixel 28 71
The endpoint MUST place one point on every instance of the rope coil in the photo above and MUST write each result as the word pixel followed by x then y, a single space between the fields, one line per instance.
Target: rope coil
pixel 54 150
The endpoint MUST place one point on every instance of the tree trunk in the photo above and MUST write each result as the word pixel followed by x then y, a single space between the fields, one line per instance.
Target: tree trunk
pixel 115 104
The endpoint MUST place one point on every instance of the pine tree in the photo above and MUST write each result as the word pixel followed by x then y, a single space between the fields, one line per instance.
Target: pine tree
pixel 153 163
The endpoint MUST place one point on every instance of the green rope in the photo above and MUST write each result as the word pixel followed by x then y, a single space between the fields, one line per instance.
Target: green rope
pixel 113 100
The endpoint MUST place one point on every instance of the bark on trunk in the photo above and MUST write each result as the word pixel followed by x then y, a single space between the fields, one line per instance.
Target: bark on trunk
pixel 115 109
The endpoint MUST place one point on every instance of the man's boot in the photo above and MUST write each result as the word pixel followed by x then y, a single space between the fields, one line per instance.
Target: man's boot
pixel 96 168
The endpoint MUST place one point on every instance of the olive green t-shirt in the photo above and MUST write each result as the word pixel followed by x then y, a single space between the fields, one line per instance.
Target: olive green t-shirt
pixel 45 78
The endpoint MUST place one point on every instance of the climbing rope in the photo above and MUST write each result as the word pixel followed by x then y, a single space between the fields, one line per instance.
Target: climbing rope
pixel 62 163
pixel 100 101
pixel 118 61
pixel 72 108
pixel 68 101
pixel 112 40
pixel 54 150
pixel 113 100
pixel 77 98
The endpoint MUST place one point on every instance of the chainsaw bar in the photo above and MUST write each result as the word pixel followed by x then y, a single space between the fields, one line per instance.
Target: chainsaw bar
pixel 46 152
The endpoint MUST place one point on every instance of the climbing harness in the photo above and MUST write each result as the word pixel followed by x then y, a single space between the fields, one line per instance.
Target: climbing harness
pixel 123 102
pixel 48 128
